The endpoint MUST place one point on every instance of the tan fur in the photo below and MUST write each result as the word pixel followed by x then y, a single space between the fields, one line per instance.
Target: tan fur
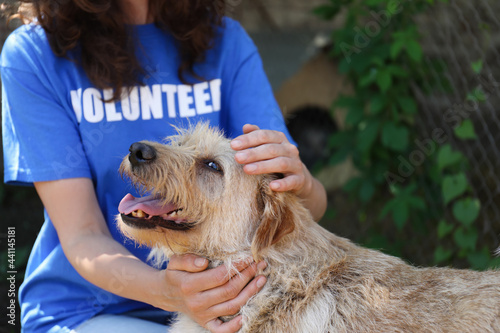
pixel 317 281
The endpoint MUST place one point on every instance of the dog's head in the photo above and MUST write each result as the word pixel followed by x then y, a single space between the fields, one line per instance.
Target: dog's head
pixel 200 200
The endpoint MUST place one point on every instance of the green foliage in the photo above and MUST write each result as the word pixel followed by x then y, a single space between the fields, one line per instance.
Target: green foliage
pixel 378 49
pixel 465 130
pixel 453 186
pixel 404 201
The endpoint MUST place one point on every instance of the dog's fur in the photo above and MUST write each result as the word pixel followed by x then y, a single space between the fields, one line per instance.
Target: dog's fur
pixel 317 281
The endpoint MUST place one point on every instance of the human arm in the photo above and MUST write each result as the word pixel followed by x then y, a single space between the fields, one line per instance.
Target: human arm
pixel 267 151
pixel 184 286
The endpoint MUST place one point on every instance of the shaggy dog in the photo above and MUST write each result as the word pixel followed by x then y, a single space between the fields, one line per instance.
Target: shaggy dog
pixel 202 202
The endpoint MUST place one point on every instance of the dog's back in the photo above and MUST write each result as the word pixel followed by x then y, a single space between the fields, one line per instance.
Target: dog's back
pixel 361 290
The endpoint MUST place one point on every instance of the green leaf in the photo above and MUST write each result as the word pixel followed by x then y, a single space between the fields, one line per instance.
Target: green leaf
pixel 466 238
pixel 416 202
pixel 378 103
pixel 444 229
pixel 368 78
pixel 374 2
pixel 387 208
pixel 368 135
pixel 378 53
pixel 352 184
pixel 397 71
pixel 326 12
pixel 477 66
pixel 442 255
pixel 453 187
pixel 477 95
pixel 409 189
pixel 400 215
pixel 465 130
pixel 399 207
pixel 340 139
pixel 354 106
pixel 384 80
pixel 410 33
pixel 407 104
pixel 395 137
pixel 480 260
pixel 414 50
pixel 447 157
pixel 396 47
pixel 346 102
pixel 366 190
pixel 354 115
pixel 344 65
pixel 494 263
pixel 466 210
pixel 331 214
pixel 339 156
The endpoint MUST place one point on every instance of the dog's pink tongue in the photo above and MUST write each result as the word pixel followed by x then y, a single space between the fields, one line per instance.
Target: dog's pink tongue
pixel 149 204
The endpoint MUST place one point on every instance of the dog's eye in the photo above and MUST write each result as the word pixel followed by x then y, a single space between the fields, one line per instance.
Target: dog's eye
pixel 213 165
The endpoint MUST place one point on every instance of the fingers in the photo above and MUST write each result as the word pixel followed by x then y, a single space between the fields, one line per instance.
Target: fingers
pixel 254 137
pixel 217 326
pixel 233 305
pixel 211 279
pixel 271 152
pixel 235 293
pixel 289 183
pixel 249 128
pixel 219 276
pixel 266 151
pixel 188 263
pixel 283 158
pixel 207 294
pixel 218 292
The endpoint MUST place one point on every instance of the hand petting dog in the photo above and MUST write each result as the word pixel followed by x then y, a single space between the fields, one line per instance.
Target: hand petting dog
pixel 206 295
pixel 267 151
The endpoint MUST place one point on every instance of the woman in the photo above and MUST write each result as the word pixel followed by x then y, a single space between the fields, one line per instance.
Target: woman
pixel 81 82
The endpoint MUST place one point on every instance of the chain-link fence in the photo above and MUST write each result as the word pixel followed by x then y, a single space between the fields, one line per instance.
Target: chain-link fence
pixel 461 33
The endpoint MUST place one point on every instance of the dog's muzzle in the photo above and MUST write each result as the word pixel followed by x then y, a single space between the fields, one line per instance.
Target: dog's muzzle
pixel 141 153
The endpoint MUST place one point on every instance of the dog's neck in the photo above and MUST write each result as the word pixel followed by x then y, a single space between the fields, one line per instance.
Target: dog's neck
pixel 306 245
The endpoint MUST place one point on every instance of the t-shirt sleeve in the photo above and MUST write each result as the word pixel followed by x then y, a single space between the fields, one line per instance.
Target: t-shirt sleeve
pixel 41 141
pixel 251 99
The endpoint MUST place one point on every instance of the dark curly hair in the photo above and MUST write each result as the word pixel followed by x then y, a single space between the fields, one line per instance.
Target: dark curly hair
pixel 106 49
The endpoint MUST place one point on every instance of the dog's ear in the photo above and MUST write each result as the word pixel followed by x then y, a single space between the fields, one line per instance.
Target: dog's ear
pixel 277 218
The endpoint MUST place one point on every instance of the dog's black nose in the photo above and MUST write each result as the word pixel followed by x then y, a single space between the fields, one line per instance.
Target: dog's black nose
pixel 141 153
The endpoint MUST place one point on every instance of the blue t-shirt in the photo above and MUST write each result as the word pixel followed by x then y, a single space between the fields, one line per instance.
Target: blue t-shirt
pixel 56 126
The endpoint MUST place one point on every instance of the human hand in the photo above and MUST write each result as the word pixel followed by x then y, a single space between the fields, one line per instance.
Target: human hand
pixel 205 295
pixel 267 151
